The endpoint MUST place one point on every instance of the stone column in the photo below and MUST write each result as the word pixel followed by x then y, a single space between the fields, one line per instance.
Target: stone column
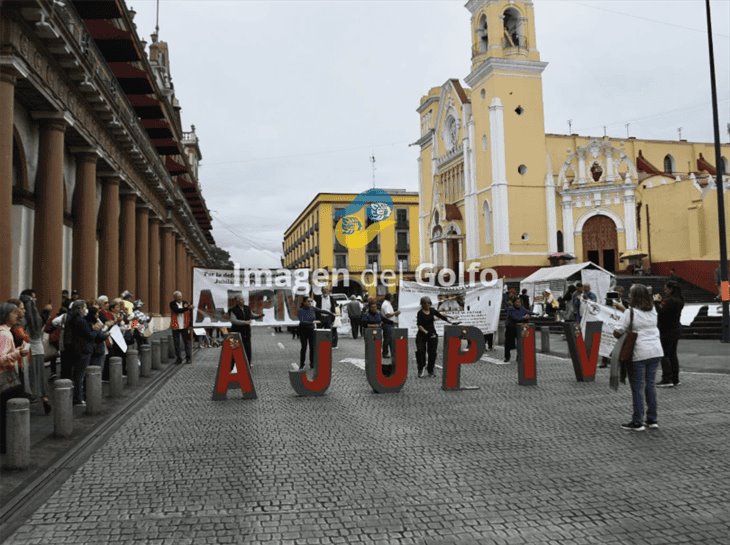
pixel 7 102
pixel 181 269
pixel 84 230
pixel 109 238
pixel 189 262
pixel 49 201
pixel 153 305
pixel 167 268
pixel 568 227
pixel 143 255
pixel 127 225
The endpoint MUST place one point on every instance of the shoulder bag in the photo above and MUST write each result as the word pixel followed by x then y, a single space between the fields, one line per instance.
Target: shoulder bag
pixel 627 350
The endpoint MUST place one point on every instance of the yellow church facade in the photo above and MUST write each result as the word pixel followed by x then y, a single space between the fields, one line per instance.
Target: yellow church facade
pixel 497 191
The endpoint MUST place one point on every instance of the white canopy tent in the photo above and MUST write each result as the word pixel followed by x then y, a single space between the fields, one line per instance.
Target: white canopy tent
pixel 557 279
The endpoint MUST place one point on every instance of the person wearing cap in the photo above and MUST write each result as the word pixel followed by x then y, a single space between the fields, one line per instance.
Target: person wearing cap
pixel 127 304
pixel 427 339
pixel 139 322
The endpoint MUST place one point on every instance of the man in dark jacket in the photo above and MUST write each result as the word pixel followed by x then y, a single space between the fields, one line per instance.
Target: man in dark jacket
pixel 241 316
pixel 354 311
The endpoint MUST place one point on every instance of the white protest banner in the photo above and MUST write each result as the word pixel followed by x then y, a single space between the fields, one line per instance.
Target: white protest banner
pixel 118 337
pixel 274 294
pixel 600 282
pixel 477 305
pixel 611 319
pixel 690 312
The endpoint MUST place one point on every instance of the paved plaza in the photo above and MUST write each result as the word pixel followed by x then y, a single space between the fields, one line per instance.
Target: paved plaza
pixel 502 464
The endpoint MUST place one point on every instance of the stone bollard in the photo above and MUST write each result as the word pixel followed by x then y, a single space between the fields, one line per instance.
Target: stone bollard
pixel 545 340
pixel 17 434
pixel 171 348
pixel 63 410
pixel 156 361
pixel 500 334
pixel 116 379
pixel 132 368
pixel 164 349
pixel 93 389
pixel 145 360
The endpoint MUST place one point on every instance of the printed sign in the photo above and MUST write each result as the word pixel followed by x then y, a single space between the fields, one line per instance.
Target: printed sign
pixel 274 294
pixel 611 320
pixel 476 306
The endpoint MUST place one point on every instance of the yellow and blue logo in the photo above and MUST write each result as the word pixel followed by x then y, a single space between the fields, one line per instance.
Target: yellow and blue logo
pixel 350 231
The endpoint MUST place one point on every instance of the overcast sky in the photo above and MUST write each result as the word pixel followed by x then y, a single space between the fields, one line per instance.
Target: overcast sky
pixel 291 98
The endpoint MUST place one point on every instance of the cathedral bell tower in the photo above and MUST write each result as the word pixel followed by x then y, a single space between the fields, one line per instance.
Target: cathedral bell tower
pixel 507 110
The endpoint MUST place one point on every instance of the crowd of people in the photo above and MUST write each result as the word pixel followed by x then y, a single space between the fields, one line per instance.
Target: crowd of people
pixel 83 333
pixel 80 333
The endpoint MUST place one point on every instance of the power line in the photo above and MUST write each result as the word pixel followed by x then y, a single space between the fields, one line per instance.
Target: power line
pixel 309 154
pixel 652 116
pixel 649 19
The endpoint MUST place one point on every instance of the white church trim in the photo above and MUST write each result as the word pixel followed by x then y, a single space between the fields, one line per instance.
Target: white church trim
pixel 598 212
pixel 552 219
pixel 500 198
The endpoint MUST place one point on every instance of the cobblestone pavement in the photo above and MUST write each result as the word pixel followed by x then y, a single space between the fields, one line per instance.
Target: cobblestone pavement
pixel 502 464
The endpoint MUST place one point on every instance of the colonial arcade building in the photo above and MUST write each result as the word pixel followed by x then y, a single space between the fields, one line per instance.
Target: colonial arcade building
pixel 497 191
pixel 98 182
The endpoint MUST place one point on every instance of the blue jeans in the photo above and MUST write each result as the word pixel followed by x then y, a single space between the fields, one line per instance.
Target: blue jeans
pixel 642 382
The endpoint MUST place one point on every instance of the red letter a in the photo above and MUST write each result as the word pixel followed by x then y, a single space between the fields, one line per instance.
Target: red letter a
pixel 232 352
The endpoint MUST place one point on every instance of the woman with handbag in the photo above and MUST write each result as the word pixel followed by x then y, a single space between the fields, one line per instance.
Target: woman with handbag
pixel 646 354
pixel 10 360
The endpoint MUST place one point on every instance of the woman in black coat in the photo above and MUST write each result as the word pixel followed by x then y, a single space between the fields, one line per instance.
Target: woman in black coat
pixel 79 339
pixel 669 309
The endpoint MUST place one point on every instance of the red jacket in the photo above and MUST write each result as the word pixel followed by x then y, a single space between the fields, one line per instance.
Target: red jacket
pixel 187 315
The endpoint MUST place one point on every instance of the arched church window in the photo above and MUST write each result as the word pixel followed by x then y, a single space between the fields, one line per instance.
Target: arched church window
pixel 20 168
pixel 561 243
pixel 669 166
pixel 596 171
pixel 483 43
pixel 451 133
pixel 487 223
pixel 511 21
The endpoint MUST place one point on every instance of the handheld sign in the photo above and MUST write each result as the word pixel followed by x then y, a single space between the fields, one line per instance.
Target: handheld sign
pixel 378 380
pixel 454 357
pixel 318 384
pixel 233 356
